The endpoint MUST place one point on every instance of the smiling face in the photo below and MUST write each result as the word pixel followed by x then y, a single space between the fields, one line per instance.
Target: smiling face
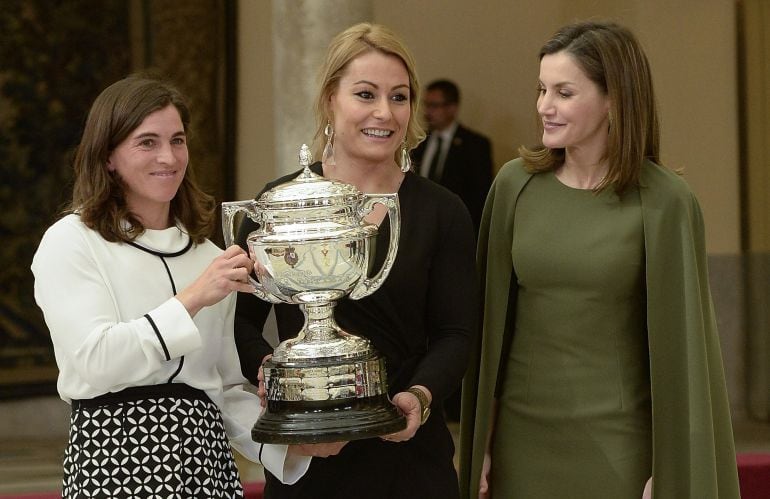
pixel 573 108
pixel 151 162
pixel 370 109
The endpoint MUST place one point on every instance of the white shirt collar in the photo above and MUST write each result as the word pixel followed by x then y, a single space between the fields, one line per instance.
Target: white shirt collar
pixel 448 132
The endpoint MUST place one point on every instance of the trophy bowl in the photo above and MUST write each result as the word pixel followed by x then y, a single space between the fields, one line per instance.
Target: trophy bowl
pixel 313 248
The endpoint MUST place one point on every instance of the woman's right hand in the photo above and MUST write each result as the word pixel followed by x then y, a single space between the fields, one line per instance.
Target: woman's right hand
pixel 484 481
pixel 227 273
pixel 317 450
pixel 261 390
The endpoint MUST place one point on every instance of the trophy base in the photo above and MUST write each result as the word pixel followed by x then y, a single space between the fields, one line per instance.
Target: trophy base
pixel 304 422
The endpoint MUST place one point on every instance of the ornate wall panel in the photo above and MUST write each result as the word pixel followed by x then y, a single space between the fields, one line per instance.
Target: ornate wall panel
pixel 193 43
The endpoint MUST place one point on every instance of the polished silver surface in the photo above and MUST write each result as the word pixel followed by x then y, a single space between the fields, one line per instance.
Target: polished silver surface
pixel 312 248
pixel 353 379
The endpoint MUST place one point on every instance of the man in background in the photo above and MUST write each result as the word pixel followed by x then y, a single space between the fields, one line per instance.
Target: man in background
pixel 453 155
pixel 457 158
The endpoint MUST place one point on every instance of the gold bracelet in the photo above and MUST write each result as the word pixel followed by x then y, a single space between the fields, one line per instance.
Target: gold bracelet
pixel 424 405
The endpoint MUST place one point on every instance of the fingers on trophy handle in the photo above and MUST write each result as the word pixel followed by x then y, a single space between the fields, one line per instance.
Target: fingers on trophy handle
pixel 229 210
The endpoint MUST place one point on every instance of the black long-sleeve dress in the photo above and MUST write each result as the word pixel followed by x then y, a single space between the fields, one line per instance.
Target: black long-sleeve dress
pixel 421 320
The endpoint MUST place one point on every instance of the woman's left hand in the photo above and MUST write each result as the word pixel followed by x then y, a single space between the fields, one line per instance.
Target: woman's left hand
pixel 410 407
pixel 647 492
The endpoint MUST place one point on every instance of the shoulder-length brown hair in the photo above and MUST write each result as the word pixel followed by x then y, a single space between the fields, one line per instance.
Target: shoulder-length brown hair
pixel 98 194
pixel 346 46
pixel 611 57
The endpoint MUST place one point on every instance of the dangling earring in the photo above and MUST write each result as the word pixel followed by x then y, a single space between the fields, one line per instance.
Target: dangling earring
pixel 609 121
pixel 328 154
pixel 406 161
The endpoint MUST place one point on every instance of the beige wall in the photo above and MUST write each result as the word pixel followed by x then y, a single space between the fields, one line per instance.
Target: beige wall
pixel 490 49
pixel 255 150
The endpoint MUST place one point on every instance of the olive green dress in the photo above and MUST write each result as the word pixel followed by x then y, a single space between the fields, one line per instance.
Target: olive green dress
pixel 574 415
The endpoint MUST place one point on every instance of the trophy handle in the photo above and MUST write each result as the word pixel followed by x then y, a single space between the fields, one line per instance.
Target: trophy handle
pixel 367 286
pixel 229 210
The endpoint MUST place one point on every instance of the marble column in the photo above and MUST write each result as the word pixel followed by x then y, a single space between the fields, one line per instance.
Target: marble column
pixel 302 30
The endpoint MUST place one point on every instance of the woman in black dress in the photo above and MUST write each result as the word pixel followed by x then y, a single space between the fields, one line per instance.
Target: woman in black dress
pixel 424 315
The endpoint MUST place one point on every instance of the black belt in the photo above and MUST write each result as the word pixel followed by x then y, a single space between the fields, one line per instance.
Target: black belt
pixel 133 393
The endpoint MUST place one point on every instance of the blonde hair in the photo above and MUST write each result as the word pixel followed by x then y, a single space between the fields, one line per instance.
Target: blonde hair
pixel 345 47
pixel 611 57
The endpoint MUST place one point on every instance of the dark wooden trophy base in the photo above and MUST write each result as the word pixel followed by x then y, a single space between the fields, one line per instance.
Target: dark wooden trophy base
pixel 327 421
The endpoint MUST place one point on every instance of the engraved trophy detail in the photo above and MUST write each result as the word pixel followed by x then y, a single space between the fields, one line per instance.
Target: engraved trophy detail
pixel 313 248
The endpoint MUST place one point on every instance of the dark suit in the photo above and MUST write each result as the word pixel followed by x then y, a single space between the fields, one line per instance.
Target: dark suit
pixel 467 169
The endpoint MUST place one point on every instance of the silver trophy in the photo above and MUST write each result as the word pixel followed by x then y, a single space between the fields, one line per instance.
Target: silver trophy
pixel 312 248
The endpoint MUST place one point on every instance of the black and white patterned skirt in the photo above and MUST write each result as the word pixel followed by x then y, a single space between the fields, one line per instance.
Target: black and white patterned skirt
pixel 162 441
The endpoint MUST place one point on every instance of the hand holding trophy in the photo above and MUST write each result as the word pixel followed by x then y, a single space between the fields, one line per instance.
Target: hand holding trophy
pixel 313 247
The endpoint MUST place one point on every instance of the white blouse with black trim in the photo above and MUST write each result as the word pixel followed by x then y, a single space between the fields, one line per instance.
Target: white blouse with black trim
pixel 115 323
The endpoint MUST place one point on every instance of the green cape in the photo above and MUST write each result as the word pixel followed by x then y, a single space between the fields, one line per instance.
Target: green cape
pixel 693 449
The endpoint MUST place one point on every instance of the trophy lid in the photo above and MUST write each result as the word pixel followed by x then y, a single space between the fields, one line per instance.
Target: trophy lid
pixel 309 190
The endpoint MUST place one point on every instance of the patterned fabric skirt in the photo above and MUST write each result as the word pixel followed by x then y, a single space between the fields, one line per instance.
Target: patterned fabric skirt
pixel 162 441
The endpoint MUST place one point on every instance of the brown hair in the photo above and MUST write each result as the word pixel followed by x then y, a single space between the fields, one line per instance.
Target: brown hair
pixel 611 57
pixel 346 46
pixel 98 194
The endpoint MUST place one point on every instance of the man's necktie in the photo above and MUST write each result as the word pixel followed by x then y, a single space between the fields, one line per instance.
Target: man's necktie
pixel 434 162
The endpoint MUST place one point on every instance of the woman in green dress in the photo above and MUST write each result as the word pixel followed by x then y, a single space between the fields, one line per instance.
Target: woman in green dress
pixel 599 371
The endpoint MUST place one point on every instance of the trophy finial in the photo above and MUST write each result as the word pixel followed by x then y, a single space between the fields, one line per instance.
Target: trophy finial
pixel 305 157
pixel 305 160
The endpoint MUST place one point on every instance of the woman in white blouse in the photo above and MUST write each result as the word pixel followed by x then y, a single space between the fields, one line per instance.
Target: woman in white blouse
pixel 140 307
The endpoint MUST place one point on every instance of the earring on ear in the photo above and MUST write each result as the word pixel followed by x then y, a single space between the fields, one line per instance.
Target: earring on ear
pixel 609 120
pixel 406 161
pixel 328 154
